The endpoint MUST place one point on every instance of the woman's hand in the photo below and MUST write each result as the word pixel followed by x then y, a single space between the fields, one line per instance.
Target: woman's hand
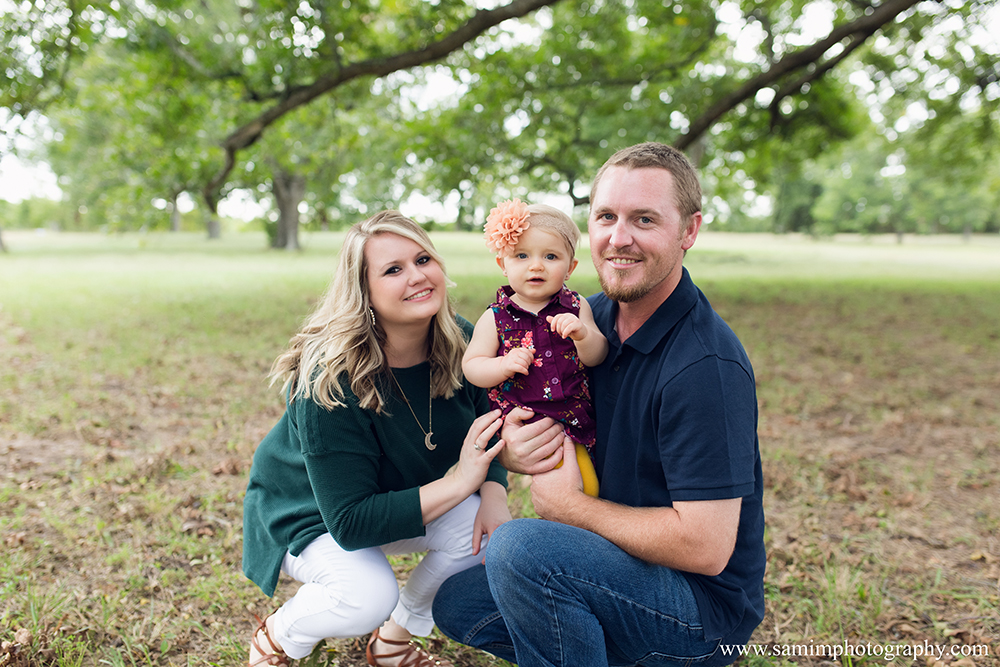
pixel 474 460
pixel 466 476
pixel 492 512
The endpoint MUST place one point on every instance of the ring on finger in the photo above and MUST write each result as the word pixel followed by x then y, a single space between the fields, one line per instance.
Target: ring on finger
pixel 477 447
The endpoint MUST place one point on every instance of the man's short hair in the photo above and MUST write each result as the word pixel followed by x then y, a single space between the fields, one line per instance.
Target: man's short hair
pixel 661 156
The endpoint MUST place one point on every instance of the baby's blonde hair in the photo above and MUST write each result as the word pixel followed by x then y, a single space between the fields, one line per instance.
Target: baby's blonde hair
pixel 552 219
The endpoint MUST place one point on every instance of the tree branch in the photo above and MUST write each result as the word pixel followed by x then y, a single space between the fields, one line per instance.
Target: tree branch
pixel 664 72
pixel 246 135
pixel 861 29
pixel 815 74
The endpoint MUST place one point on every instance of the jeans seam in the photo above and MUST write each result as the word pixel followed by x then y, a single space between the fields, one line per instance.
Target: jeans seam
pixel 688 661
pixel 468 640
pixel 556 626
pixel 630 601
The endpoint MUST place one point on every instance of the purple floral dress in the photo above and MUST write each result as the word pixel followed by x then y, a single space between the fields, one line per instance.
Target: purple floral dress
pixel 557 385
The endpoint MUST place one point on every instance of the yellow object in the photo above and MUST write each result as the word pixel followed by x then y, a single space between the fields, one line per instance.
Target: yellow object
pixel 587 471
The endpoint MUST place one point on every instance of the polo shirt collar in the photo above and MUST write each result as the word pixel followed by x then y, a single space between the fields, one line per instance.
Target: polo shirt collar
pixel 563 297
pixel 659 324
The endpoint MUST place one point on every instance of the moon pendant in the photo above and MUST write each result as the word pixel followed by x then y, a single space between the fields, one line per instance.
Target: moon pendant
pixel 427 442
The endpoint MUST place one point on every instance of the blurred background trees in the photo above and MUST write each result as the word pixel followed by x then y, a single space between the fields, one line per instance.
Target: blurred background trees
pixel 812 116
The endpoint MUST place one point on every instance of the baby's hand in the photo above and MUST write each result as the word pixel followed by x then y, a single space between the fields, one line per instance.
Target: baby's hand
pixel 567 325
pixel 517 360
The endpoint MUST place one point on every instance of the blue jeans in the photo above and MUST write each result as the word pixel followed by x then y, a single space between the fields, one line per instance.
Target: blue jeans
pixel 555 595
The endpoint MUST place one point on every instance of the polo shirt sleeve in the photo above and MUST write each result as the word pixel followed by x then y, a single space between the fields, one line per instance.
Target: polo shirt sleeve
pixel 707 431
pixel 342 460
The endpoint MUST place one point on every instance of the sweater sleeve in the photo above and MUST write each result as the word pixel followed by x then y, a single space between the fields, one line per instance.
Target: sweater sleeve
pixel 342 459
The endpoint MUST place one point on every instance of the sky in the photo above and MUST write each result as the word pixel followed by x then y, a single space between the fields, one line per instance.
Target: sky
pixel 19 181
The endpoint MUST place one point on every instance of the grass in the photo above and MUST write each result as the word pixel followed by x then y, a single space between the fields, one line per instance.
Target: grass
pixel 133 393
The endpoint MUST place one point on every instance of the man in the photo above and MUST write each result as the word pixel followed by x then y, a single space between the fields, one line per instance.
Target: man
pixel 667 565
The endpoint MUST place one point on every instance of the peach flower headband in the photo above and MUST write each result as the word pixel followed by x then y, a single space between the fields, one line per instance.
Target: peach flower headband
pixel 505 224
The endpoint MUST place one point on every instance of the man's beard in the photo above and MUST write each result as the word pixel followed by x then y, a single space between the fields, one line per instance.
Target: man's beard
pixel 615 292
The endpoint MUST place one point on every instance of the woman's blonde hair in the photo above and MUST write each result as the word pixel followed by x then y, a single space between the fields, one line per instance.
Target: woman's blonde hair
pixel 341 338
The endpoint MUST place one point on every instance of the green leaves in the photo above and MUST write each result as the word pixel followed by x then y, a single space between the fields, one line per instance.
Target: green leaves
pixel 371 101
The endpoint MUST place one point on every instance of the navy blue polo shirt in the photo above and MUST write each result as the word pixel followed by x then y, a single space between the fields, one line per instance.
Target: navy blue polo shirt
pixel 676 409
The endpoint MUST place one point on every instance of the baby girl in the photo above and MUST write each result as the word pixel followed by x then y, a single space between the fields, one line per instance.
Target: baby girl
pixel 532 347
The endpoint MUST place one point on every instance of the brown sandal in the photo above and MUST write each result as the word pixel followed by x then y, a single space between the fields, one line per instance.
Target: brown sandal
pixel 276 657
pixel 413 656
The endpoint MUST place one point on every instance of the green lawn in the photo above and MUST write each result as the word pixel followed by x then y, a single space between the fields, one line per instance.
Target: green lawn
pixel 133 393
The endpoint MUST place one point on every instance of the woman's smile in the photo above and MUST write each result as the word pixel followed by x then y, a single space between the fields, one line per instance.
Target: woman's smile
pixel 419 295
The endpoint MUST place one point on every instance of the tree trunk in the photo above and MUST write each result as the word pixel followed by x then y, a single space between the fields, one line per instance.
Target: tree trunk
pixel 175 215
pixel 213 225
pixel 966 233
pixel 289 190
pixel 280 234
pixel 343 73
pixel 696 151
pixel 463 221
pixel 3 248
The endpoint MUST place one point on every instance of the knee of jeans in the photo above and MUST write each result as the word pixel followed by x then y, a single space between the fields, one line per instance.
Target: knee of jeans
pixel 513 539
pixel 510 549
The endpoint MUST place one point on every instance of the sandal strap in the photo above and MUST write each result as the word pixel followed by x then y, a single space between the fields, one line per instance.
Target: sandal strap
pixel 267 657
pixel 413 656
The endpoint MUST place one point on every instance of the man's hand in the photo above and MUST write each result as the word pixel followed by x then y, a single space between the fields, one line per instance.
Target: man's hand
pixel 553 493
pixel 530 448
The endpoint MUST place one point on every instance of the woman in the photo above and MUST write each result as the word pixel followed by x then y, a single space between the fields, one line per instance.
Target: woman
pixel 358 467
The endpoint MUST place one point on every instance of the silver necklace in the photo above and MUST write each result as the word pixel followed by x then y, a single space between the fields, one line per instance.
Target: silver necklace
pixel 430 417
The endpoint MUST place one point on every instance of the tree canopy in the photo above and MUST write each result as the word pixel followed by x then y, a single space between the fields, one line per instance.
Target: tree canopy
pixel 328 106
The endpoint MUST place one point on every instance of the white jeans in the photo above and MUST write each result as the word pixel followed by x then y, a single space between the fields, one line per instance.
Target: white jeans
pixel 350 593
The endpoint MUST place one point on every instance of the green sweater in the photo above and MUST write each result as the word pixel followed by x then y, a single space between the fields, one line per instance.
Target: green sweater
pixel 350 472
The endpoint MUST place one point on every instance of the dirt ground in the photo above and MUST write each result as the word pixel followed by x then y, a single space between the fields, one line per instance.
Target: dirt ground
pixel 882 494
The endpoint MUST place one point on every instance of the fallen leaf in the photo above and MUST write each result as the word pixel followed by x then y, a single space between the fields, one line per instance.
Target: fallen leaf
pixel 15 539
pixel 905 629
pixel 230 466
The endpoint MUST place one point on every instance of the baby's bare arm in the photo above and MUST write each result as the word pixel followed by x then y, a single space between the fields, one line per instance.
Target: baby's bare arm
pixel 594 348
pixel 591 345
pixel 481 365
